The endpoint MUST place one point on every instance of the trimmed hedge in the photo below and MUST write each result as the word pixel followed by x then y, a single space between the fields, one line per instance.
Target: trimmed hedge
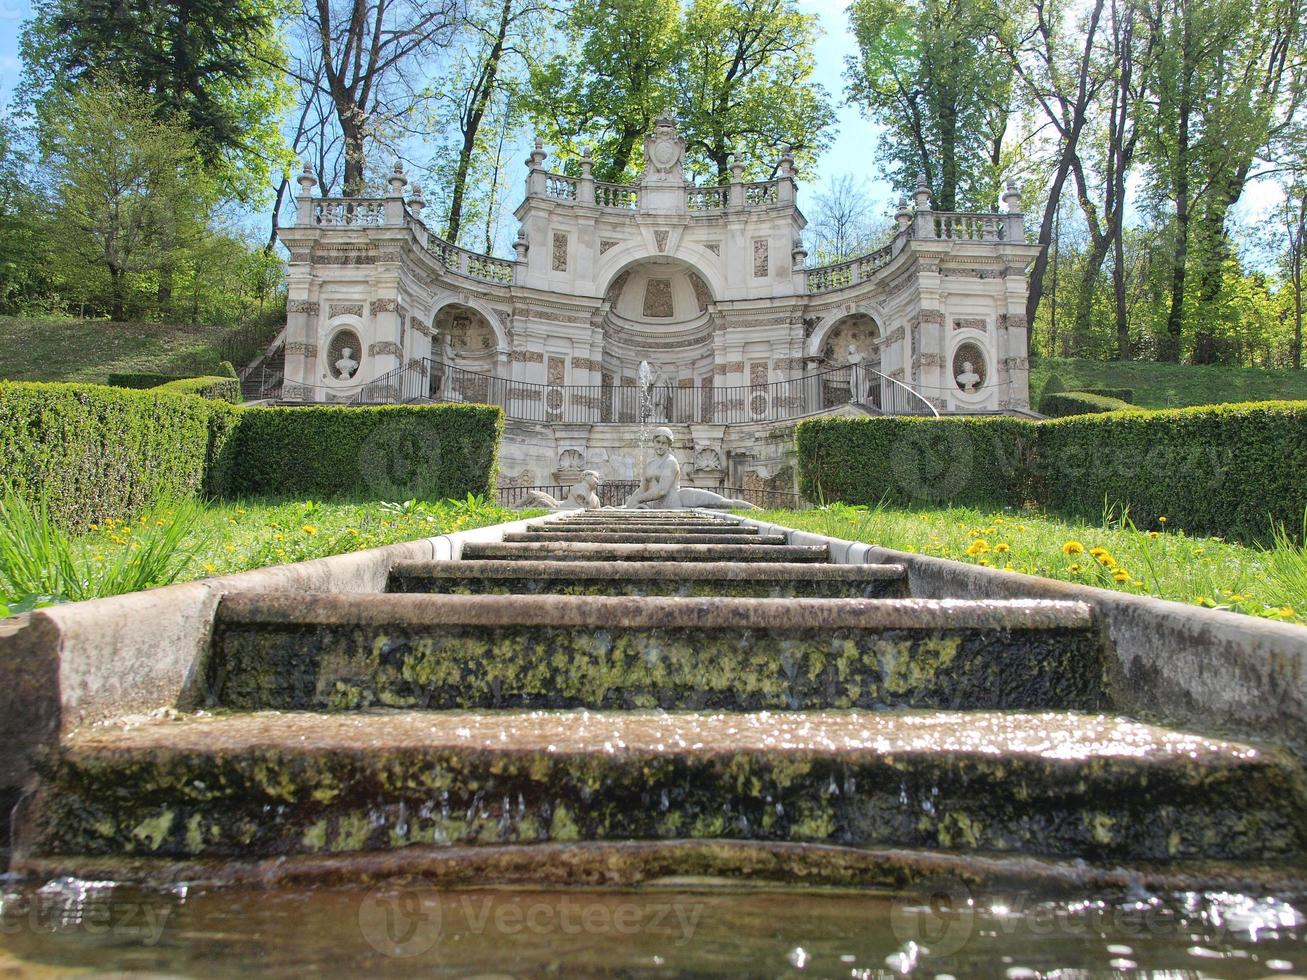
pixel 904 459
pixel 1218 469
pixel 1225 469
pixel 1064 403
pixel 99 452
pixel 143 380
pixel 217 387
pixel 1125 394
pixel 390 452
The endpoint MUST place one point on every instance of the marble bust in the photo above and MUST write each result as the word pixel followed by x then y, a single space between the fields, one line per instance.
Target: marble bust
pixel 660 483
pixel 346 365
pixel 968 379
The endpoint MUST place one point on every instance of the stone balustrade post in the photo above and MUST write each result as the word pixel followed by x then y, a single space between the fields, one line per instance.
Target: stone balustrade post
pixel 304 205
pixel 535 179
pixel 585 187
pixel 735 194
pixel 785 189
pixel 924 219
pixel 903 217
pixel 800 273
pixel 395 202
pixel 1014 218
pixel 520 248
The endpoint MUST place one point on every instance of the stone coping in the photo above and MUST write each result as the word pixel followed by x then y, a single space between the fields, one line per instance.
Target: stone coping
pixel 680 864
pixel 1177 663
pixel 695 571
pixel 595 551
pixel 653 611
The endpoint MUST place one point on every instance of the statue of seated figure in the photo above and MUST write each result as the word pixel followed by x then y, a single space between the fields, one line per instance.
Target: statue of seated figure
pixel 660 485
pixel 582 496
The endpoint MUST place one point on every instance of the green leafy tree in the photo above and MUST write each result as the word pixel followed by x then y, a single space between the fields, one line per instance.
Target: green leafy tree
pixel 217 65
pixel 25 280
pixel 932 73
pixel 745 86
pixel 126 185
pixel 613 73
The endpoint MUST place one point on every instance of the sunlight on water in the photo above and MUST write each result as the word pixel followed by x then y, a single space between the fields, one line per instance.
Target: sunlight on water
pixel 67 926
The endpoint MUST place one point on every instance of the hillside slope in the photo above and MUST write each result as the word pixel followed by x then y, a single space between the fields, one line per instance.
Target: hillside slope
pixel 1170 385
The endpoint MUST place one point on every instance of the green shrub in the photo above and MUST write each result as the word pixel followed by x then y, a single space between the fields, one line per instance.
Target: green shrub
pixel 1066 403
pixel 901 459
pixel 391 452
pixel 1052 386
pixel 1124 394
pixel 1222 469
pixel 1228 470
pixel 142 381
pixel 216 387
pixel 94 452
pixel 227 370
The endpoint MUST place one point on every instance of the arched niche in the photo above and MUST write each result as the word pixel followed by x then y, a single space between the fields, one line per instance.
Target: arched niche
pixel 858 329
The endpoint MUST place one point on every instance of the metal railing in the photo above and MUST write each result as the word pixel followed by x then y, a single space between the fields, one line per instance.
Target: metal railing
pixel 430 380
pixel 614 493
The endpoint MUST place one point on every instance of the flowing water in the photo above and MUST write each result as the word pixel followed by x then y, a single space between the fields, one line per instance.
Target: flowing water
pixel 70 927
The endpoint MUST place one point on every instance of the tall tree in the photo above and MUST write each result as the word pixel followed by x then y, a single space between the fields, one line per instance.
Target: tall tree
pixel 931 73
pixel 613 75
pixel 745 85
pixel 1055 62
pixel 373 57
pixel 125 184
pixel 218 65
pixel 843 223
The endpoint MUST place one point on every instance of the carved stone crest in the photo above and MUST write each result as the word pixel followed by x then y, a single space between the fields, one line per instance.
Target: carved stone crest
pixel 663 152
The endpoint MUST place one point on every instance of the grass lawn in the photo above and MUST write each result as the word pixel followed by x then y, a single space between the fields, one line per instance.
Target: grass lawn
pixel 1150 561
pixel 91 350
pixel 216 540
pixel 1170 385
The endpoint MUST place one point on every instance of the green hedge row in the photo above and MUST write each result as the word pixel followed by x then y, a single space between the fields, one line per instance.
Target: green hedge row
pixel 1063 403
pixel 903 459
pixel 1125 394
pixel 218 388
pixel 390 452
pixel 98 452
pixel 142 380
pixel 1226 469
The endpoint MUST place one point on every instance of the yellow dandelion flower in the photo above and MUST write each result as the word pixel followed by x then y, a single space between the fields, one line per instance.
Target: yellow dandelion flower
pixel 1202 600
pixel 1073 548
pixel 309 529
pixel 1121 575
pixel 1286 612
pixel 1197 552
pixel 95 527
pixel 1162 519
pixel 278 537
pixel 985 562
pixel 1154 534
pixel 1097 552
pixel 1075 569
pixel 352 532
pixel 99 558
pixel 978 547
pixel 210 567
pixel 1002 548
pixel 1009 567
pixel 1107 561
pixel 231 548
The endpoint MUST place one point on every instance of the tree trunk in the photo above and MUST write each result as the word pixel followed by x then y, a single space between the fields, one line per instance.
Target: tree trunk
pixel 1080 326
pixel 484 89
pixel 352 131
pixel 948 160
pixel 274 223
pixel 117 311
pixel 1040 267
pixel 1118 295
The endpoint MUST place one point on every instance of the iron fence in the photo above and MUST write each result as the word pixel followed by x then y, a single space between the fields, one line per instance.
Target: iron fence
pixel 430 380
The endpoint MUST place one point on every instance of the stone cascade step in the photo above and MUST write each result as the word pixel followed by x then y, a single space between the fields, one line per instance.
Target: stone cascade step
pixel 565 550
pixel 671 536
pixel 692 579
pixel 341 652
pixel 708 531
pixel 280 784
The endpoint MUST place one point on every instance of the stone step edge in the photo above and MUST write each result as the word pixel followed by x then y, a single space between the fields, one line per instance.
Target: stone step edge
pixel 645 537
pixel 678 864
pixel 733 571
pixel 616 548
pixel 309 608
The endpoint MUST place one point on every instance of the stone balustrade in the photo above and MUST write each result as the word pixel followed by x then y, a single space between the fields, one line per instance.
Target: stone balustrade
pixel 349 211
pixel 619 197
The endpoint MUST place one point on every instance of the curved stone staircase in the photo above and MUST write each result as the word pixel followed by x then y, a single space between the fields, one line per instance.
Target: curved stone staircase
pixel 610 696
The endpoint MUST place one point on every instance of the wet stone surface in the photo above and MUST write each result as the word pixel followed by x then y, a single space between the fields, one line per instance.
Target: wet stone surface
pixel 340 663
pixel 1041 783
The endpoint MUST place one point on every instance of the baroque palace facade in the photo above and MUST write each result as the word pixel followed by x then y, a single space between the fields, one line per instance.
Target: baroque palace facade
pixel 708 285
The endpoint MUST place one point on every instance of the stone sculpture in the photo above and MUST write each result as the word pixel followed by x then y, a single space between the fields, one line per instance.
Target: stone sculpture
pixel 660 484
pixel 582 496
pixel 854 359
pixel 346 365
pixel 968 379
